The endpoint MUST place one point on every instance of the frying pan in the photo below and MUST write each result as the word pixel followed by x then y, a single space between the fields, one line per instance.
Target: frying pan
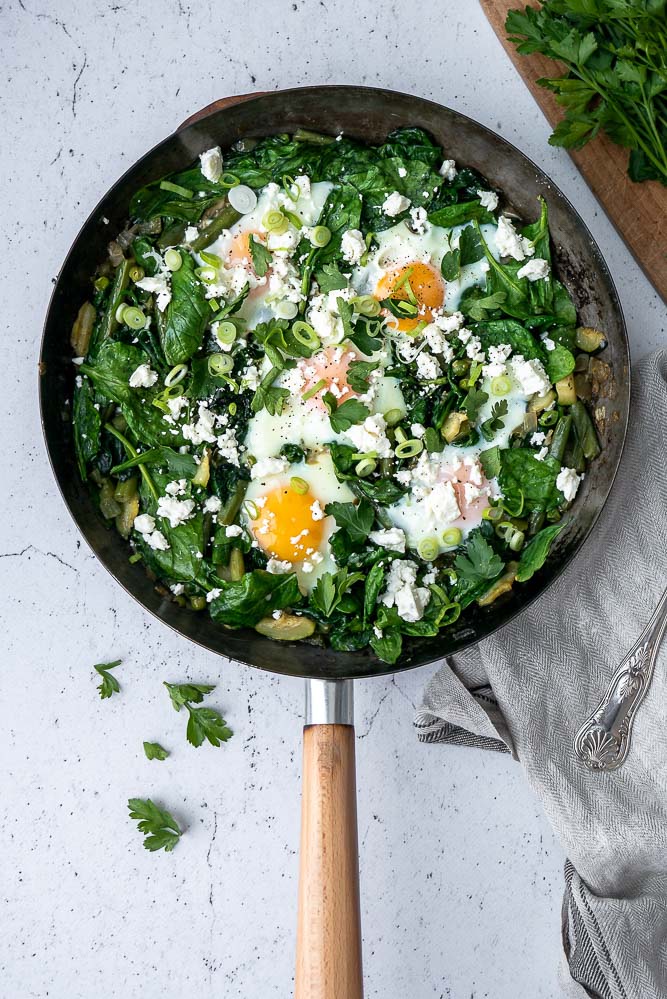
pixel 328 932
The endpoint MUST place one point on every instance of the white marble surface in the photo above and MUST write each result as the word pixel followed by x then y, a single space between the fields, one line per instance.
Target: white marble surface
pixel 461 876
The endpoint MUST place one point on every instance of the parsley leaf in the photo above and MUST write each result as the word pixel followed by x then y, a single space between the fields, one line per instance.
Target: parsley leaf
pixel 358 373
pixel 261 257
pixel 154 751
pixel 109 684
pixel 450 265
pixel 361 332
pixel 160 829
pixel 490 462
pixel 470 246
pixel 329 278
pixel 473 402
pixel 479 562
pixel 268 396
pixel 343 417
pixel 330 589
pixel 203 723
pixel 357 520
pixel 495 423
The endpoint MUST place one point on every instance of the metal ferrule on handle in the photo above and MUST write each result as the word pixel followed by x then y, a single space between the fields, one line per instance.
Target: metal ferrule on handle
pixel 329 702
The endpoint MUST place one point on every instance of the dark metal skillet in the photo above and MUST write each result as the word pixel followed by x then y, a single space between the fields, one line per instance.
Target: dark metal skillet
pixel 329 951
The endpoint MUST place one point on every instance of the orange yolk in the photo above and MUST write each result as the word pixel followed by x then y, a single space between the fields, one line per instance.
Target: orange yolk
pixel 427 287
pixel 330 366
pixel 285 527
pixel 239 250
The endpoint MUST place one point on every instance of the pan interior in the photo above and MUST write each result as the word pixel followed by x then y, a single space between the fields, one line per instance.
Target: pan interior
pixel 366 114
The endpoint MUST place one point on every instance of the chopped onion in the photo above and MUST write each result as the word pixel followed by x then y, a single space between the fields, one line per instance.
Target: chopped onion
pixel 242 198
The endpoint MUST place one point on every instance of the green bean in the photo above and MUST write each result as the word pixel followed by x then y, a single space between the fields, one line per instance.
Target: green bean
pixel 585 431
pixel 172 236
pixel 133 453
pixel 120 281
pixel 227 217
pixel 305 135
pixel 236 565
pixel 560 437
pixel 536 521
pixel 125 490
pixel 233 504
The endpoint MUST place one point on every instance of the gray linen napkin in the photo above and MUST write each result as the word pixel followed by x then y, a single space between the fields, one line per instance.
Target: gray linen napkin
pixel 529 688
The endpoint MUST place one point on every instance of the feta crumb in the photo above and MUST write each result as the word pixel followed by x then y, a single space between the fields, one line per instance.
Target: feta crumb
pixel 157 541
pixel 403 593
pixel 418 430
pixel 538 438
pixel 393 538
pixel 548 343
pixel 144 523
pixel 203 429
pixel 213 594
pixel 474 349
pixel 542 453
pixel 428 367
pixel 509 243
pixel 568 483
pixel 276 615
pixel 496 358
pixel 143 377
pixel 530 375
pixel 191 233
pixel 419 220
pixel 176 487
pixel 377 631
pixel 158 285
pixel 176 511
pixel 448 170
pixel 233 531
pixel 402 172
pixel 488 200
pixel 268 466
pixel 536 269
pixel 371 435
pixel 353 246
pixel 228 446
pixel 78 360
pixel 177 589
pixel 449 324
pixel 278 568
pixel 316 511
pixel 394 204
pixel 213 504
pixel 211 164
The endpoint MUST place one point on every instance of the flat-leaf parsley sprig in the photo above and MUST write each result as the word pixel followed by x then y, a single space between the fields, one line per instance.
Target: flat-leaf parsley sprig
pixel 203 723
pixel 109 684
pixel 160 829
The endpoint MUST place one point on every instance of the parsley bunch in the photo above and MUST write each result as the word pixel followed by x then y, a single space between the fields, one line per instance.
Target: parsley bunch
pixel 615 79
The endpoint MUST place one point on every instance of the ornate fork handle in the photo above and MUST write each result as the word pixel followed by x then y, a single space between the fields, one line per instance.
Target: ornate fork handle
pixel 603 741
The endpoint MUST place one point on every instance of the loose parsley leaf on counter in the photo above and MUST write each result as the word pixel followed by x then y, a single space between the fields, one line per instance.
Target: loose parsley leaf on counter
pixel 203 723
pixel 109 684
pixel 154 751
pixel 160 829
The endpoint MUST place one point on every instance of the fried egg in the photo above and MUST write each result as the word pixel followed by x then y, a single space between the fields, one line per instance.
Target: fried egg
pixel 284 513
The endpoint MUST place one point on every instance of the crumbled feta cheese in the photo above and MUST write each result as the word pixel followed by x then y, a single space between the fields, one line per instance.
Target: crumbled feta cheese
pixel 393 538
pixel 509 243
pixel 176 511
pixel 419 218
pixel 285 242
pixel 371 435
pixel 211 164
pixel 530 375
pixel 268 466
pixel 402 172
pixel 316 511
pixel 471 492
pixel 449 324
pixel 417 430
pixel 213 504
pixel 228 446
pixel 536 269
pixel 538 438
pixel 176 487
pixel 448 170
pixel 78 360
pixel 158 285
pixel 474 349
pixel 496 358
pixel 488 200
pixel 427 366
pixel 278 568
pixel 177 589
pixel 233 531
pixel 191 233
pixel 276 615
pixel 404 476
pixel 204 429
pixel 548 343
pixel 213 594
pixel 394 204
pixel 377 631
pixel 143 377
pixel 175 406
pixel 157 541
pixel 144 523
pixel 542 453
pixel 403 593
pixel 353 246
pixel 568 483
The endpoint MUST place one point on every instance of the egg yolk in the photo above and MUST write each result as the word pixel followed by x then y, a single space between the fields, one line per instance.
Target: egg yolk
pixel 328 366
pixel 426 285
pixel 239 250
pixel 285 527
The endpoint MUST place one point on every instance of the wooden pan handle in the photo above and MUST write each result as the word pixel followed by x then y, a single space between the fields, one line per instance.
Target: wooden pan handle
pixel 328 950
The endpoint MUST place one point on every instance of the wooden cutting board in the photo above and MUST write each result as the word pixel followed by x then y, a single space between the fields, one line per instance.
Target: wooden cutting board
pixel 639 211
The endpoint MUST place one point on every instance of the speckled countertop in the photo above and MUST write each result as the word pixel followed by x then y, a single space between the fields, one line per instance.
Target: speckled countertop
pixel 461 876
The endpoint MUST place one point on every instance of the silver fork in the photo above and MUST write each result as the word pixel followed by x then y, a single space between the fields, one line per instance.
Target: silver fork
pixel 603 741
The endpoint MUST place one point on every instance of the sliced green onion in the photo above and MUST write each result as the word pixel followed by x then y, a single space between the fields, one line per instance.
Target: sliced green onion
pixel 276 222
pixel 366 305
pixel 419 328
pixel 365 467
pixel 229 180
pixel 548 418
pixel 500 385
pixel 452 537
pixel 492 513
pixel 242 199
pixel 171 391
pixel 317 387
pixel 219 364
pixel 133 559
pixel 136 273
pixel 516 540
pixel 408 449
pixel 293 218
pixel 320 236
pixel 120 312
pixel 305 334
pixel 286 310
pixel 206 274
pixel 428 549
pixel 291 188
pixel 232 409
pixel 214 305
pixel 226 332
pixel 401 435
pixel 209 258
pixel 298 485
pixel 251 509
pixel 103 282
pixel 183 192
pixel 393 416
pixel 176 375
pixel 401 281
pixel 173 260
pixel 134 317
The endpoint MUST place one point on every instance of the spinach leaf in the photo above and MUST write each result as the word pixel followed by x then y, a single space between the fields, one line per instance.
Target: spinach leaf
pixel 534 555
pixel 186 316
pixel 385 492
pixel 460 213
pixel 178 466
pixel 373 588
pixel 293 453
pixel 560 363
pixel 475 304
pixel 388 645
pixel 495 332
pixel 356 520
pixel 522 475
pixel 182 562
pixel 246 601
pixel 87 426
